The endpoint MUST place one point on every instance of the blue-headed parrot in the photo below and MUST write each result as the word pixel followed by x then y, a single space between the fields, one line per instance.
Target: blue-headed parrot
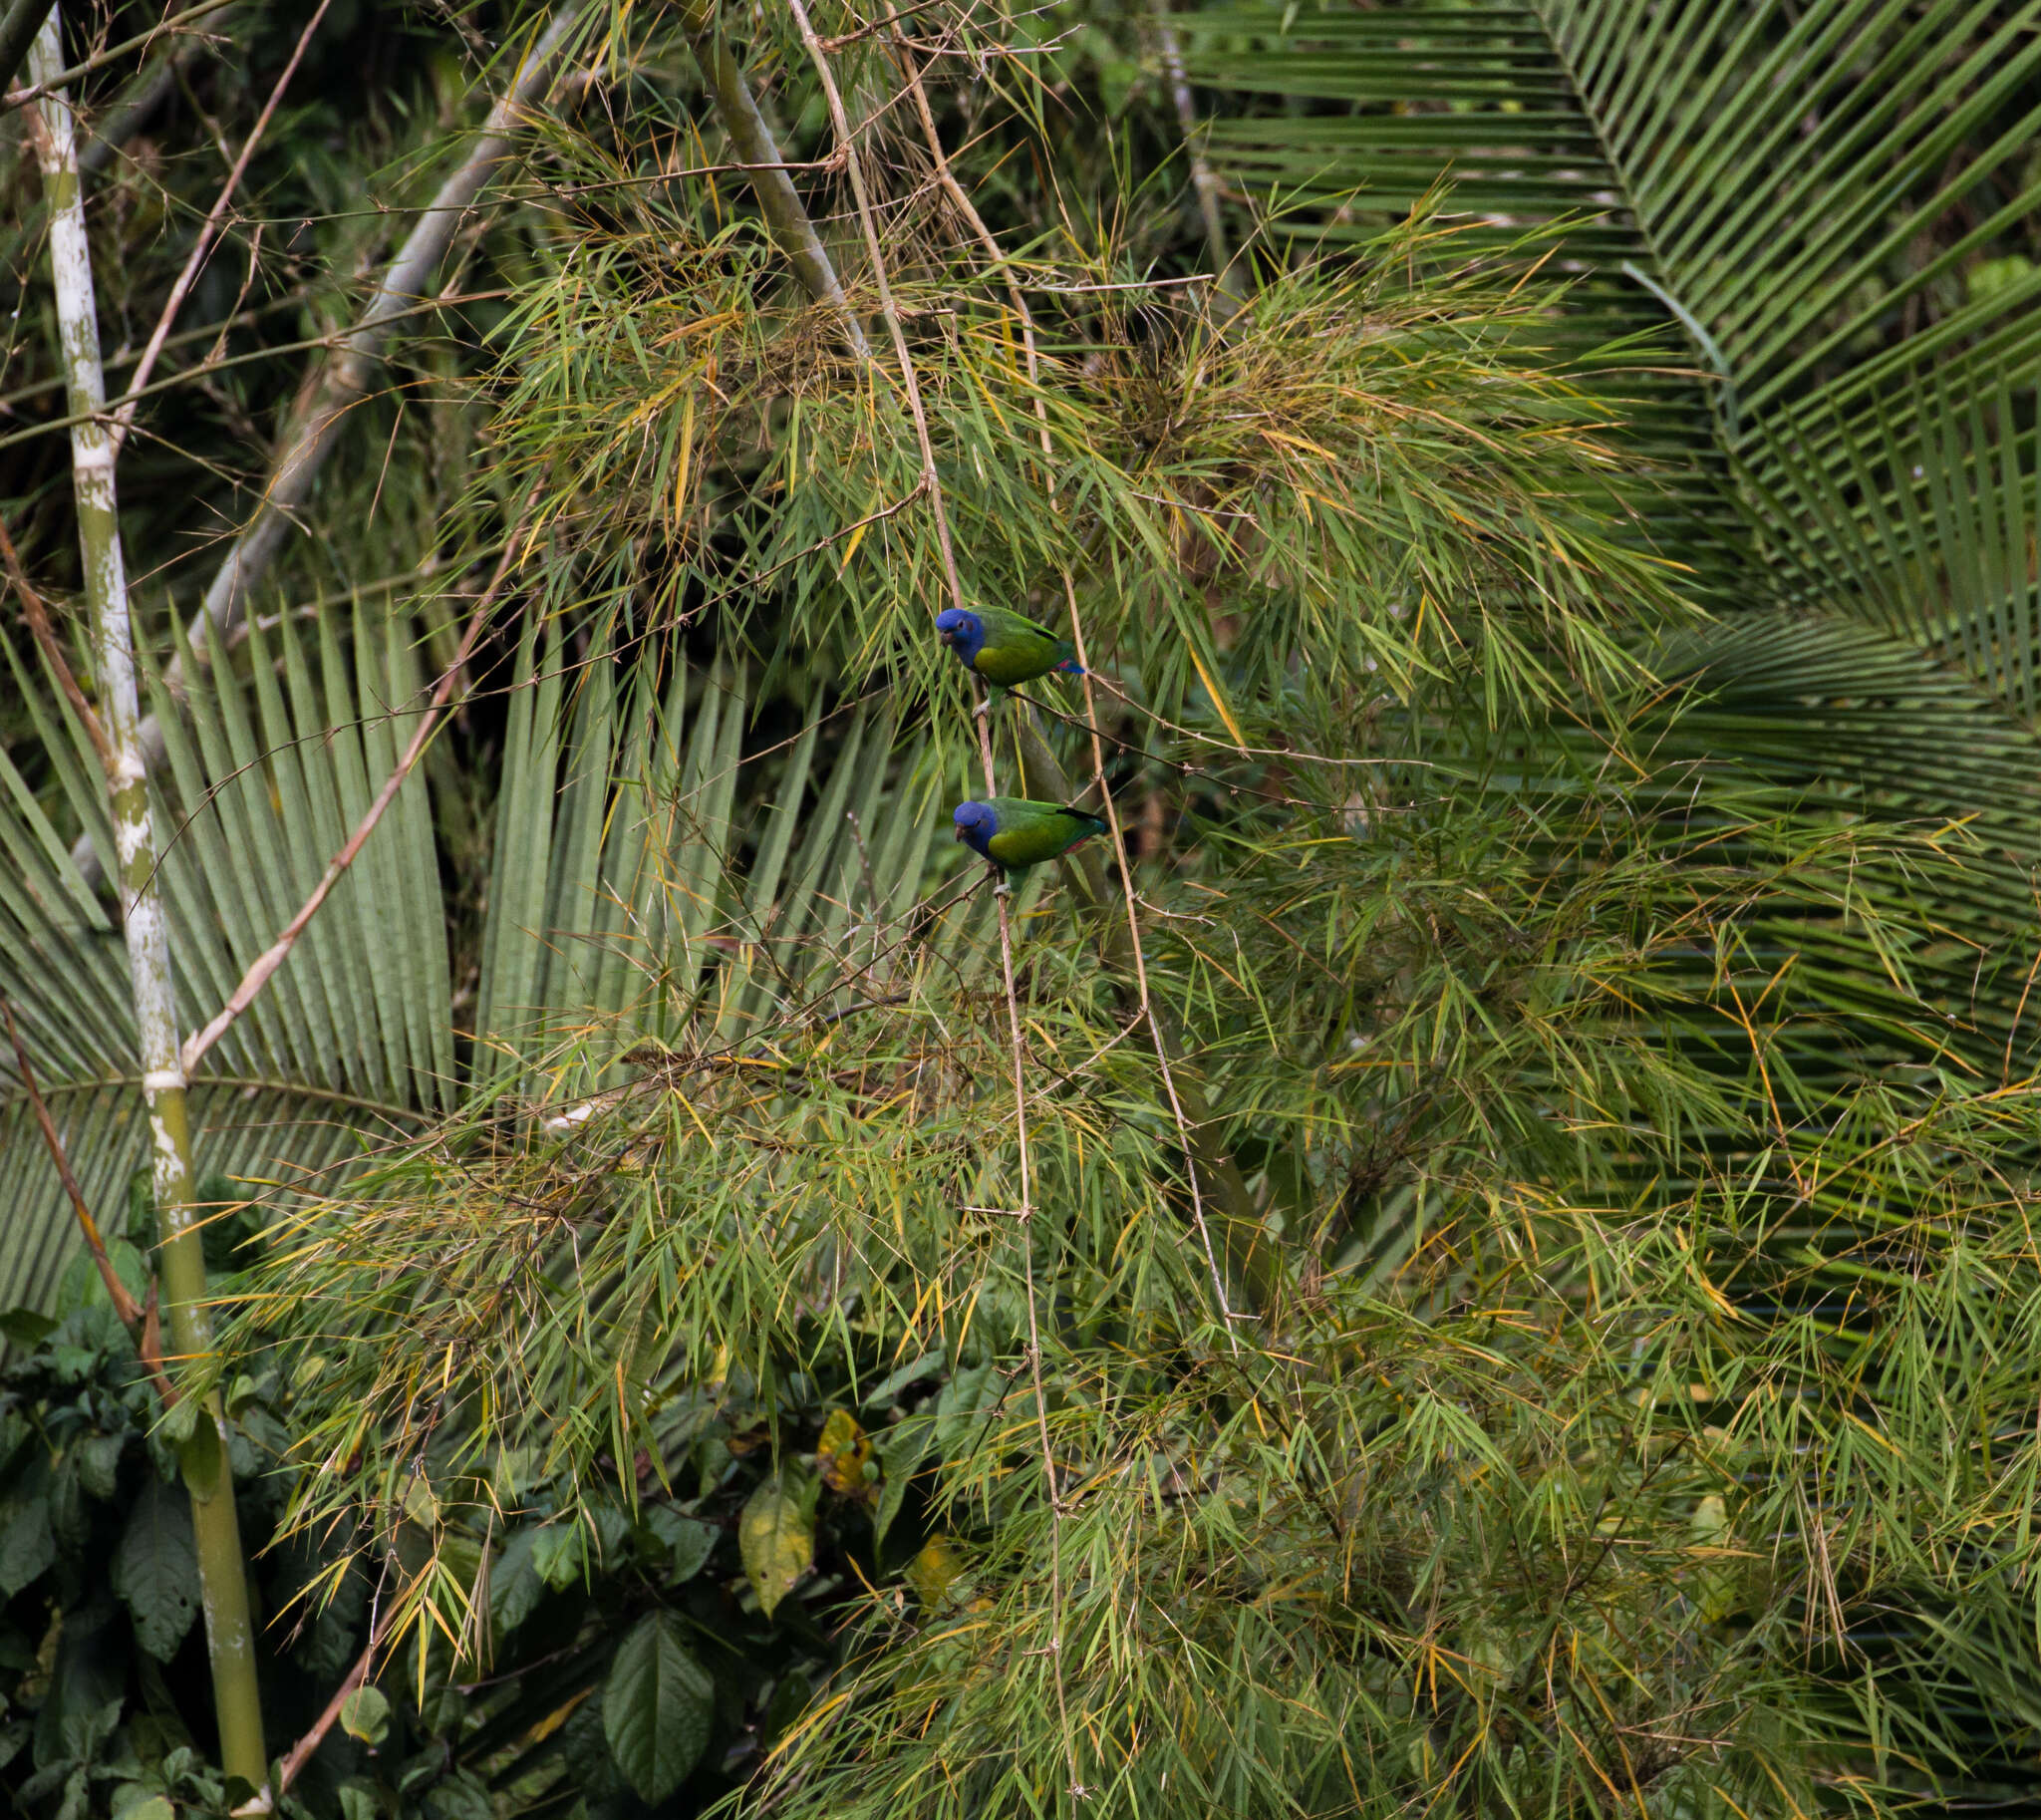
pixel 1004 648
pixel 1015 833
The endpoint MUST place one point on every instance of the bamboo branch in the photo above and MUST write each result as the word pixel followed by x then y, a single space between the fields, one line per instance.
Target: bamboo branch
pixel 315 431
pixel 1202 179
pixel 103 140
pixel 125 418
pixel 203 1454
pixel 146 92
pixel 1251 1256
pixel 931 484
pixel 274 956
pixel 18 28
pixel 307 1746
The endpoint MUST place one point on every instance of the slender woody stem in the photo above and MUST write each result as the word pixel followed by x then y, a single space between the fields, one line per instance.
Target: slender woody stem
pixel 931 482
pixel 778 201
pixel 45 80
pixel 203 1451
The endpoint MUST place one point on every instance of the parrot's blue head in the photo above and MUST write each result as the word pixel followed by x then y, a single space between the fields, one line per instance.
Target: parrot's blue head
pixel 976 825
pixel 962 632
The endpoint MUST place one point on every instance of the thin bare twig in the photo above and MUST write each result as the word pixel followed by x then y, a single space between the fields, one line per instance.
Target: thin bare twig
pixel 273 957
pixel 125 417
pixel 887 308
pixel 20 98
pixel 36 611
pixel 1147 1005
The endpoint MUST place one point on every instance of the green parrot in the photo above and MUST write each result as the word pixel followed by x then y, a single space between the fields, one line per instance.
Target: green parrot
pixel 1015 833
pixel 1005 648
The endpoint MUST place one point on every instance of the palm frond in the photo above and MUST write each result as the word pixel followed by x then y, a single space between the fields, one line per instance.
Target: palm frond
pixel 1797 195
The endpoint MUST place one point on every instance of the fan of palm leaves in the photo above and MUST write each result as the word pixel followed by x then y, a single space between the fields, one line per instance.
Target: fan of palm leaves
pixel 1791 202
pixel 631 852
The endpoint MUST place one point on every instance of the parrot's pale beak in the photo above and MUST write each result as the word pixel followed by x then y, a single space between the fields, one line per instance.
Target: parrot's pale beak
pixel 947 638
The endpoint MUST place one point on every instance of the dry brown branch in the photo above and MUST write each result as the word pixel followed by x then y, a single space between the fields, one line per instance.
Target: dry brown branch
pixel 304 1750
pixel 1147 1005
pixel 125 1305
pixel 932 483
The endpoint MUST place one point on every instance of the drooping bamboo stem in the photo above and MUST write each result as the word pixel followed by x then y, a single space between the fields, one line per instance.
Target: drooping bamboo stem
pixel 1250 1256
pixel 203 1453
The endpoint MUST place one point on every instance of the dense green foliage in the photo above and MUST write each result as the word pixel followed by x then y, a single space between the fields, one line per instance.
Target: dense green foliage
pixel 1488 1271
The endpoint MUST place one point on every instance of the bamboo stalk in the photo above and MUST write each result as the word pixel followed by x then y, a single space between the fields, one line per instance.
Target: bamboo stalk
pixel 202 1453
pixel 1203 181
pixel 104 139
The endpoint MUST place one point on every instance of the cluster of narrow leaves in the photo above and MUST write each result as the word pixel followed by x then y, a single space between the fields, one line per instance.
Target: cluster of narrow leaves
pixel 1599 1438
pixel 1375 467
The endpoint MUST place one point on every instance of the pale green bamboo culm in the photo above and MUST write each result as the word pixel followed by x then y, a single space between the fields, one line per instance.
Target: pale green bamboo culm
pixel 202 1453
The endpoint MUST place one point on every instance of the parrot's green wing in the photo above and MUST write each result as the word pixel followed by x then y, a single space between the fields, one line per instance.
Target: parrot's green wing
pixel 1015 649
pixel 1030 834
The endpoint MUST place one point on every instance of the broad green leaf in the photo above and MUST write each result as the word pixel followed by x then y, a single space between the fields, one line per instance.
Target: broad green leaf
pixel 365 1714
pixel 26 1546
pixel 516 1585
pixel 99 1464
pixel 902 1448
pixel 776 1537
pixel 155 1568
pixel 687 1540
pixel 656 1709
pixel 560 1554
